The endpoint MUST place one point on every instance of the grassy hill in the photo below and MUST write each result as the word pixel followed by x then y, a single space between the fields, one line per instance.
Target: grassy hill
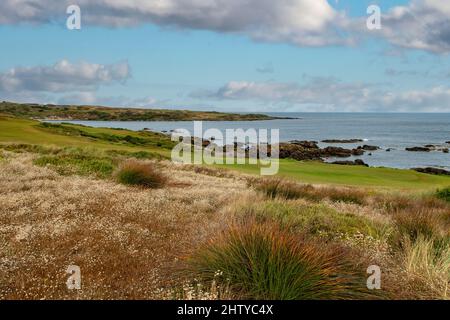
pixel 66 112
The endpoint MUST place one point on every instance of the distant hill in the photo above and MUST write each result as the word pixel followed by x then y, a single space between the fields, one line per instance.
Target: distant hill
pixel 70 112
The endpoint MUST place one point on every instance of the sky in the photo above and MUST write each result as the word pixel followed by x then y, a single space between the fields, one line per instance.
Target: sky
pixel 229 55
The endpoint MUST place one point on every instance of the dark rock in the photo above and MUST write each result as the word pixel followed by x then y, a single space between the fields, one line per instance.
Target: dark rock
pixel 430 170
pixel 357 162
pixel 342 141
pixel 447 142
pixel 445 150
pixel 369 148
pixel 431 146
pixel 357 152
pixel 389 149
pixel 337 152
pixel 297 152
pixel 418 149
pixel 306 144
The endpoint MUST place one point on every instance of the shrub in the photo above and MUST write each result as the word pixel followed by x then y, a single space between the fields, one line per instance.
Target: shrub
pixel 137 173
pixel 444 194
pixel 260 261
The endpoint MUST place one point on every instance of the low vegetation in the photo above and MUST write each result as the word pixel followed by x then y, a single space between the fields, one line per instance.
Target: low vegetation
pixel 282 188
pixel 69 112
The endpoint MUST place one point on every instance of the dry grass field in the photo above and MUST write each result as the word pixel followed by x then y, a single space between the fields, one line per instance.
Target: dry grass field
pixel 213 234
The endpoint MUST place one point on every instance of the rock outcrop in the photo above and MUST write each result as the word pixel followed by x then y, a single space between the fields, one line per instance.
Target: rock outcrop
pixel 357 162
pixel 418 149
pixel 308 150
pixel 368 148
pixel 342 140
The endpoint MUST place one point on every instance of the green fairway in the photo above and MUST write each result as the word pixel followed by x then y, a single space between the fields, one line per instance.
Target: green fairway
pixel 323 173
pixel 14 130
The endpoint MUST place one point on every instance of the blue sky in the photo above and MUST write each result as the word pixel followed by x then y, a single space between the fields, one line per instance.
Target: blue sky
pixel 186 56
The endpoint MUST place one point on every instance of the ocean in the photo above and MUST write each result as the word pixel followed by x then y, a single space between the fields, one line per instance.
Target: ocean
pixel 395 131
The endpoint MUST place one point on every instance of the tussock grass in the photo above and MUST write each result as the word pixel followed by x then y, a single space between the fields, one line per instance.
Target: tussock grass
pixel 262 261
pixel 420 223
pixel 286 189
pixel 136 173
pixel 428 266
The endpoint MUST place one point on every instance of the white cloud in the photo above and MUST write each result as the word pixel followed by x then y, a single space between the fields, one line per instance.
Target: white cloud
pixel 422 24
pixel 63 76
pixel 328 94
pixel 302 22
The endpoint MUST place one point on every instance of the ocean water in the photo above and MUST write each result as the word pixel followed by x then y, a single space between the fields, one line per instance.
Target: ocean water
pixel 395 131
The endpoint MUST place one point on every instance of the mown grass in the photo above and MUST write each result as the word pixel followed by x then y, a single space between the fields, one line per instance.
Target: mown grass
pixel 139 138
pixel 325 173
pixel 136 173
pixel 262 261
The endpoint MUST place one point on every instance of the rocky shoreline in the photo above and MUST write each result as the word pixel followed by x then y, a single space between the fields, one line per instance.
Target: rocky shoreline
pixel 305 150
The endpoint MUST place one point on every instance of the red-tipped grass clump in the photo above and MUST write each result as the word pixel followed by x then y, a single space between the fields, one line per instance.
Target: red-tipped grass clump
pixel 260 261
pixel 137 173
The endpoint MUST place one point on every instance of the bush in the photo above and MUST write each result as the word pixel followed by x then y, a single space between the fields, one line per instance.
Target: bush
pixel 444 194
pixel 260 261
pixel 137 173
